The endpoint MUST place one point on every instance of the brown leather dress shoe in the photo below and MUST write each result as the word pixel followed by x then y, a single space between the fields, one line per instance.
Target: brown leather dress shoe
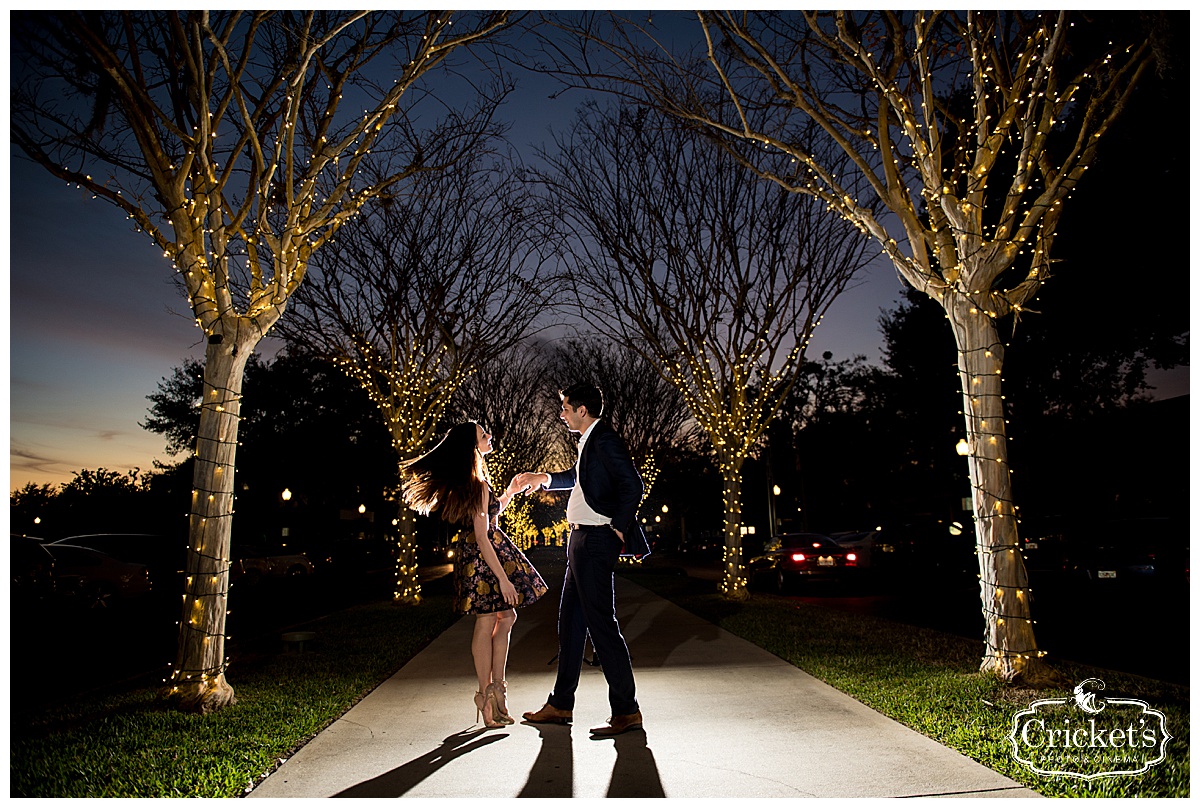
pixel 548 715
pixel 618 724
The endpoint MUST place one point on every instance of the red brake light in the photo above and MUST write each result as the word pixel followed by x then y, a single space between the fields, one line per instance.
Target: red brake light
pixel 851 556
pixel 797 556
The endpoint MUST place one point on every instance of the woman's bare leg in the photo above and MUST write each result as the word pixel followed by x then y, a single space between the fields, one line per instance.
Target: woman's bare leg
pixel 481 648
pixel 500 641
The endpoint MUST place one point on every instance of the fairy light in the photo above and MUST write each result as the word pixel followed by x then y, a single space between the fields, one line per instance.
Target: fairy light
pixel 412 388
pixel 190 177
pixel 1014 110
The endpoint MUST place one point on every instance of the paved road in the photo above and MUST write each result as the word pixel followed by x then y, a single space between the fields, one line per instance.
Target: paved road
pixel 723 719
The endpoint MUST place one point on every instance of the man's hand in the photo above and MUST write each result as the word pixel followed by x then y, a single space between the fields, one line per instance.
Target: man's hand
pixel 528 481
pixel 515 486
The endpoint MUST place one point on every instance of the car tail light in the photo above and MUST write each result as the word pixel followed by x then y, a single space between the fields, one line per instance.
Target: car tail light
pixel 797 556
pixel 852 557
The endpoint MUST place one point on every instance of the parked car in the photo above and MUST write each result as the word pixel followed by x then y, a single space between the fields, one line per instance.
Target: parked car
pixel 793 557
pixel 930 546
pixel 868 545
pixel 32 569
pixel 165 556
pixel 97 580
pixel 253 564
pixel 1044 543
pixel 1149 550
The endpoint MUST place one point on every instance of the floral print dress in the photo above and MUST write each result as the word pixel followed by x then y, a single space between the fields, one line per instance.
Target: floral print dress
pixel 476 590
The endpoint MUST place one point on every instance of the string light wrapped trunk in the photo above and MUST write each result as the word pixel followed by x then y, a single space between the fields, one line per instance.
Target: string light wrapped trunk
pixel 733 575
pixel 1003 581
pixel 408 584
pixel 198 676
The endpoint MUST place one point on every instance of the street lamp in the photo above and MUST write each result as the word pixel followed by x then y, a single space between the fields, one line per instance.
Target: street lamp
pixel 284 529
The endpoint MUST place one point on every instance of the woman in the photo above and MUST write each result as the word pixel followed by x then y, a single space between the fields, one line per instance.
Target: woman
pixel 491 576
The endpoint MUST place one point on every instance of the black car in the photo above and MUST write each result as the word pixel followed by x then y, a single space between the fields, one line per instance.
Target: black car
pixel 164 555
pixel 793 557
pixel 97 580
pixel 1147 551
pixel 254 565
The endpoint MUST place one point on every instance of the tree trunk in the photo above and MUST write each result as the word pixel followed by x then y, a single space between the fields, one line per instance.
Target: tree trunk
pixel 198 678
pixel 408 588
pixel 733 584
pixel 1011 651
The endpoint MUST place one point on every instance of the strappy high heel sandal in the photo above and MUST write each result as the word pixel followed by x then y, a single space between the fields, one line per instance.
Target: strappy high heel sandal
pixel 484 706
pixel 498 694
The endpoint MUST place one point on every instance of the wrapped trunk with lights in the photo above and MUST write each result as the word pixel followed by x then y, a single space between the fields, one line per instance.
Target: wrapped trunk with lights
pixel 1010 647
pixel 408 586
pixel 733 580
pixel 198 676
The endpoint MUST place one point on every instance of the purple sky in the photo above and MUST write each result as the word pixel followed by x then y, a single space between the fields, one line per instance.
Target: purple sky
pixel 95 321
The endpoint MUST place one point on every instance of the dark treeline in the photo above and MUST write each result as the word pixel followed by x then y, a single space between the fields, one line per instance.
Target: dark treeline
pixel 306 428
pixel 856 446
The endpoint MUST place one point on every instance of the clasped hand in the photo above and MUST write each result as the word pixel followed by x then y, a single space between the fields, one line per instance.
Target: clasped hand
pixel 526 482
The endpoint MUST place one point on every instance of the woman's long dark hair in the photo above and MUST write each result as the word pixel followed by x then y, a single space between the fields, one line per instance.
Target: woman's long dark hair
pixel 449 478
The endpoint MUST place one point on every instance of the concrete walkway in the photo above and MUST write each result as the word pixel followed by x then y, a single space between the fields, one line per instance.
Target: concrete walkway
pixel 723 719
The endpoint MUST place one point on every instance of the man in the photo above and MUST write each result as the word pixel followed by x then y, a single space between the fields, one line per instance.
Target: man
pixel 606 490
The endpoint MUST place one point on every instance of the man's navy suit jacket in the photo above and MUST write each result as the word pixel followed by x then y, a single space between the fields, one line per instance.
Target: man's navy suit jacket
pixel 611 485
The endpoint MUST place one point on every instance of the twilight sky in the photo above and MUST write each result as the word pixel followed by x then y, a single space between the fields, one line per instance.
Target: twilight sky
pixel 95 321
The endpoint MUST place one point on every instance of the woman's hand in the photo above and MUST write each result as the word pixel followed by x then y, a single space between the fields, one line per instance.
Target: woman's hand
pixel 528 481
pixel 508 592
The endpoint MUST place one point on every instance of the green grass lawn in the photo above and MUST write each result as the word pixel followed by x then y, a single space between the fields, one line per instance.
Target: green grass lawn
pixel 929 681
pixel 132 744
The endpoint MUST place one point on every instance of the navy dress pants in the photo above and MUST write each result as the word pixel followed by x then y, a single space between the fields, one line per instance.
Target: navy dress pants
pixel 588 606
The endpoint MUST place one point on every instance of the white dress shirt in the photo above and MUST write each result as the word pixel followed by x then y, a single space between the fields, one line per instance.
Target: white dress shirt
pixel 578 511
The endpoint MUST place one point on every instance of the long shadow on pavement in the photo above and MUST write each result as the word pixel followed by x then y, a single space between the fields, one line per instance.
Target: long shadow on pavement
pixel 635 774
pixel 402 779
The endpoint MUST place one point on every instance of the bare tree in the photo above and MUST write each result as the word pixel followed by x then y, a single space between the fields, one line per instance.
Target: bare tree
pixel 649 411
pixel 512 398
pixel 716 278
pixel 420 292
pixel 224 137
pixel 972 130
